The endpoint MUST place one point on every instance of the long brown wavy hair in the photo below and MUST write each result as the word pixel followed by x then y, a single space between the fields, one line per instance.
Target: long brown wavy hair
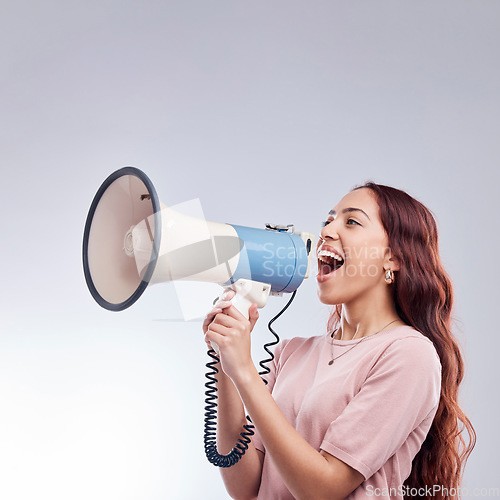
pixel 423 297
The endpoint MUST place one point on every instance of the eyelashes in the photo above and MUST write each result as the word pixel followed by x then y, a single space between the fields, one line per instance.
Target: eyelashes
pixel 326 222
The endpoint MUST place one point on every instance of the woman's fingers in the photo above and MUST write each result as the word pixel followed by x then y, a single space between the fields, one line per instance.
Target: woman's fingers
pixel 212 336
pixel 224 302
pixel 253 315
pixel 226 320
pixel 209 318
pixel 232 321
pixel 225 299
pixel 228 294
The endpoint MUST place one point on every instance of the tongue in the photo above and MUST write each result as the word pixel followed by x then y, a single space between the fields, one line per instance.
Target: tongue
pixel 326 268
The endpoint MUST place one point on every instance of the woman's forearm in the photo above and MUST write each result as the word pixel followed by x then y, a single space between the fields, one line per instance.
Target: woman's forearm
pixel 243 479
pixel 230 413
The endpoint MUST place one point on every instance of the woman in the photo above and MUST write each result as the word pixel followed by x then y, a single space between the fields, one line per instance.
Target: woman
pixel 370 408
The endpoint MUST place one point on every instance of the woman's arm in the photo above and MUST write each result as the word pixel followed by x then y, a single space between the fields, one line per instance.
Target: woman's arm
pixel 306 472
pixel 242 480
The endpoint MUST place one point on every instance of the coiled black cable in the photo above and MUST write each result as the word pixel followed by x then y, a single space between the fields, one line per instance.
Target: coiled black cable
pixel 210 434
pixel 263 363
pixel 210 430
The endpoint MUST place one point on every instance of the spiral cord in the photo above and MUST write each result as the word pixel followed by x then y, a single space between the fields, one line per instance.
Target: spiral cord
pixel 263 364
pixel 210 434
pixel 210 430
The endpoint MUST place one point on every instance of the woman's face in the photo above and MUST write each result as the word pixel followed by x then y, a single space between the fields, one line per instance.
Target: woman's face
pixel 354 233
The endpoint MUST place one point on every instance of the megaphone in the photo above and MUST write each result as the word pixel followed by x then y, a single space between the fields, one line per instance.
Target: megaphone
pixel 132 240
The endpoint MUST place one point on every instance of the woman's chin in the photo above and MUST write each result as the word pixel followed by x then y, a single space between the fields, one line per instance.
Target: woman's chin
pixel 329 299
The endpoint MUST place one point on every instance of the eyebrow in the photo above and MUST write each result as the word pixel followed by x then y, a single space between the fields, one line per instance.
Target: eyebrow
pixel 348 210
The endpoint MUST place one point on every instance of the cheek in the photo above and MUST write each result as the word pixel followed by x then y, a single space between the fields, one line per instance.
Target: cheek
pixel 364 261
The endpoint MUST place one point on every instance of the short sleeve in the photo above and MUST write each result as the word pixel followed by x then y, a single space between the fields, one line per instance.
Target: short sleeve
pixel 398 398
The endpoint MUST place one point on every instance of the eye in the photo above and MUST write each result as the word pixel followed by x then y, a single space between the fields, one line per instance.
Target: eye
pixel 349 222
pixel 353 222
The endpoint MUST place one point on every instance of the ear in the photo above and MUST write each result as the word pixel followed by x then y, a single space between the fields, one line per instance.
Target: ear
pixel 390 261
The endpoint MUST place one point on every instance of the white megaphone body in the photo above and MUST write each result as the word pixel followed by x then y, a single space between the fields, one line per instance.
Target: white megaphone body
pixel 132 240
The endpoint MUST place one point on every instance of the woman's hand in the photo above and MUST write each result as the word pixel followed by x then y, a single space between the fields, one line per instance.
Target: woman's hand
pixel 223 303
pixel 230 330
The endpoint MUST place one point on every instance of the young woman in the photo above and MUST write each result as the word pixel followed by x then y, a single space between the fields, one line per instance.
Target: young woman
pixel 370 408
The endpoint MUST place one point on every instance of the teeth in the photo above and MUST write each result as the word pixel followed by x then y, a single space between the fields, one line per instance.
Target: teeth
pixel 326 253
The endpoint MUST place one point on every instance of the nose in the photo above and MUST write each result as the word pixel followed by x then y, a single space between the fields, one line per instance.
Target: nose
pixel 329 232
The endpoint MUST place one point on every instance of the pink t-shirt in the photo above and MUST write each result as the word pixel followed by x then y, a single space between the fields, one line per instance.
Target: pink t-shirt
pixel 372 408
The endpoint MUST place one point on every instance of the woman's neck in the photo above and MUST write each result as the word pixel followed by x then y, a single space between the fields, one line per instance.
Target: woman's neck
pixel 367 316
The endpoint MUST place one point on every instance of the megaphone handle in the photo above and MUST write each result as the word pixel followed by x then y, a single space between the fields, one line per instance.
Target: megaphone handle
pixel 248 292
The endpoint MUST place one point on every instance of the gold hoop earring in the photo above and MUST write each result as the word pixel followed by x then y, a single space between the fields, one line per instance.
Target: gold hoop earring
pixel 389 276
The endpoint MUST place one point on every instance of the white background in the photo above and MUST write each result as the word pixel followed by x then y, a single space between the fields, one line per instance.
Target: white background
pixel 265 112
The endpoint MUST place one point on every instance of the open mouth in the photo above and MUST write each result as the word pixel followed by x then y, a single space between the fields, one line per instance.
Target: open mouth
pixel 329 262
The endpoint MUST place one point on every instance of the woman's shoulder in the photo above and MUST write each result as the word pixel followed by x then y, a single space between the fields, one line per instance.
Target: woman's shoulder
pixel 409 345
pixel 406 335
pixel 295 343
pixel 298 346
